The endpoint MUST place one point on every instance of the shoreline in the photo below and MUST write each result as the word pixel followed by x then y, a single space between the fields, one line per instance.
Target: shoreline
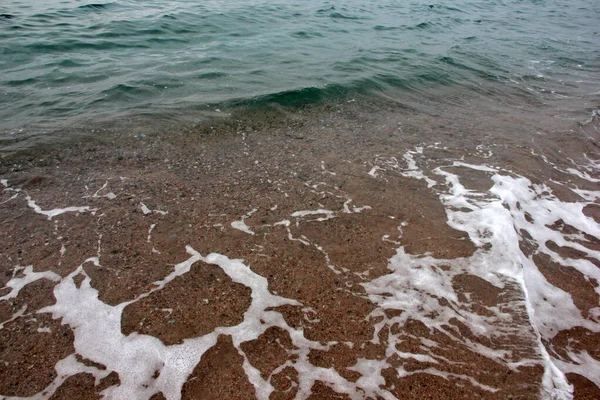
pixel 367 267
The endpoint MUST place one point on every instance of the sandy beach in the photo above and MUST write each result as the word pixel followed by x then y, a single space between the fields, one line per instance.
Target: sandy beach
pixel 350 250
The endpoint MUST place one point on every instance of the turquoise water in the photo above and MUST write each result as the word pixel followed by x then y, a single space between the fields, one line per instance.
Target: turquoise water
pixel 70 62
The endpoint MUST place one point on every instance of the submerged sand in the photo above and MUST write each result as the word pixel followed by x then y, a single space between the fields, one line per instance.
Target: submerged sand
pixel 349 251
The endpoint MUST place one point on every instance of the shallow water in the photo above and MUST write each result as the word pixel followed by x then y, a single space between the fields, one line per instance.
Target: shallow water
pixel 66 63
pixel 391 200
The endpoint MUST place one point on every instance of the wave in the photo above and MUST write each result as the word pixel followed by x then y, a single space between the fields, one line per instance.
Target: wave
pixel 97 6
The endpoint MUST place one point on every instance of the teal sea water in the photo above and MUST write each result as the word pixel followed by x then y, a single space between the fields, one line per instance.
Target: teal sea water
pixel 70 62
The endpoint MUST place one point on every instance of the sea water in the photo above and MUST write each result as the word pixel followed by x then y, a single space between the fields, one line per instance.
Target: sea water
pixel 68 63
pixel 496 116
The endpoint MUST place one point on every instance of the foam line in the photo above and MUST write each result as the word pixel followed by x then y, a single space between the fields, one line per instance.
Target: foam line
pixel 147 211
pixel 325 170
pixel 346 208
pixel 580 363
pixel 493 220
pixel 110 195
pixel 410 171
pixel 373 171
pixel 98 337
pixel 550 308
pixel 149 237
pixel 57 211
pixel 328 214
pixel 16 284
pixel 582 175
pixel 97 330
pixel 65 368
pixel 14 196
pixel 16 315
pixel 491 223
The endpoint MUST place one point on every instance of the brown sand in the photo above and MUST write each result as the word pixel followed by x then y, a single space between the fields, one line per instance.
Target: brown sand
pixel 207 178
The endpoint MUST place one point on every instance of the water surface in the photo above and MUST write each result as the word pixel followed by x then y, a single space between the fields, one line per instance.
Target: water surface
pixel 66 63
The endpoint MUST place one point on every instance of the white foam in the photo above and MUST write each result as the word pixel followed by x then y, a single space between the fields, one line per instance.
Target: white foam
pixel 580 363
pixel 65 368
pixel 292 238
pixel 110 195
pixel 136 357
pixel 57 211
pixel 373 171
pixel 361 209
pixel 476 167
pixel 347 210
pixel 386 238
pixel 588 195
pixel 325 169
pixel 241 223
pixel 551 309
pixel 328 214
pixel 481 150
pixel 328 261
pixel 14 196
pixel 16 315
pixel 97 331
pixel 410 171
pixel 582 175
pixel 495 219
pixel 147 210
pixel 371 378
pixel 149 238
pixel 16 284
pixel 415 284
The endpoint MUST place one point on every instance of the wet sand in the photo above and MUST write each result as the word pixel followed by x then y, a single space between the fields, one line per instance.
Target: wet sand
pixel 352 281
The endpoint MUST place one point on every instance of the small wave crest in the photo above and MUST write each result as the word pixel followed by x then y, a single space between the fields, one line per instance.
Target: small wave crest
pixel 97 6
